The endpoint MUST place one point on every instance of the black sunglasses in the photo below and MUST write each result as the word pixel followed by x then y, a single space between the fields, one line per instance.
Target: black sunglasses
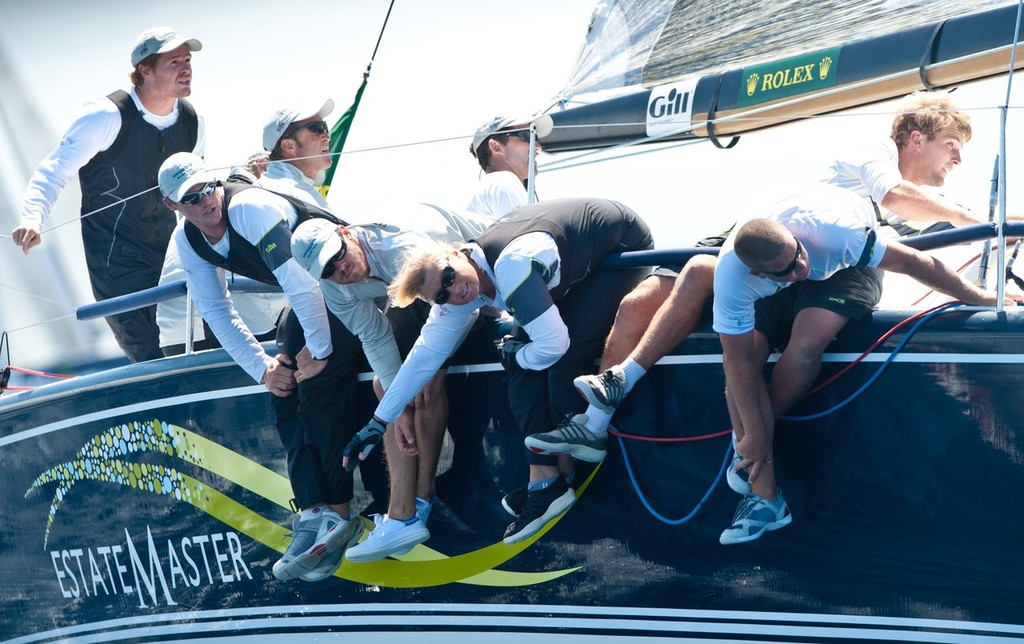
pixel 192 198
pixel 447 279
pixel 316 127
pixel 329 266
pixel 792 265
pixel 522 135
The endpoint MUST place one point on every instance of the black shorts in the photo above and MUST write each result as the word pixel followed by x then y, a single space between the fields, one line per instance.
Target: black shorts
pixel 852 292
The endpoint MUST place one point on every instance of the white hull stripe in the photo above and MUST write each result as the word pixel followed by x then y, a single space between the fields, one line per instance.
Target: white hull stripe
pixel 467 623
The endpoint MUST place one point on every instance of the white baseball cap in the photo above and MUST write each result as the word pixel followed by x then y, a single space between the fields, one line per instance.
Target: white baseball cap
pixel 314 243
pixel 281 119
pixel 181 171
pixel 160 40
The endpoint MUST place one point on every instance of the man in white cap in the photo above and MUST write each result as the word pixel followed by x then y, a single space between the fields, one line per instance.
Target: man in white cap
pixel 502 148
pixel 298 140
pixel 115 148
pixel 355 265
pixel 235 227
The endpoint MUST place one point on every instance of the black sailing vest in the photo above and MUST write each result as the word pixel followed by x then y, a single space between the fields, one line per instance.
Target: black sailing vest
pixel 244 258
pixel 129 166
pixel 585 232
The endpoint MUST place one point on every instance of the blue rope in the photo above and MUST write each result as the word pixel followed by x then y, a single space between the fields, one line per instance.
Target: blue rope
pixel 655 513
pixel 878 373
pixel 729 451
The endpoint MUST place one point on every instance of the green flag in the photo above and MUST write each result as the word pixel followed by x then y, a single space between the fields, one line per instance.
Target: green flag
pixel 339 133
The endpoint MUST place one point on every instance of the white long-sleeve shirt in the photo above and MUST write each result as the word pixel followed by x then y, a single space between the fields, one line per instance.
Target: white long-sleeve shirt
pixel 94 131
pixel 253 214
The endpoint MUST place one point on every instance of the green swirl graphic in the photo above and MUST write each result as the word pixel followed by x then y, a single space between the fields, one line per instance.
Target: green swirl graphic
pixel 104 458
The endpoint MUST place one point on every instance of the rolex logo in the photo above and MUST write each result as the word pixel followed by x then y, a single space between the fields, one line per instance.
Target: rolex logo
pixel 752 83
pixel 824 66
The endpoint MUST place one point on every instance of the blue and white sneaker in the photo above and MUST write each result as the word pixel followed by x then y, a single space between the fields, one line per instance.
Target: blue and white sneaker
pixel 755 516
pixel 737 480
pixel 423 508
pixel 389 537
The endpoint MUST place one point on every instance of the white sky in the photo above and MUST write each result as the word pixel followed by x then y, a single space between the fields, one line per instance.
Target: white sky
pixel 443 68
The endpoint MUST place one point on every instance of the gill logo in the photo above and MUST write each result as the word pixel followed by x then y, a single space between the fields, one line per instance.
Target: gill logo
pixel 269 247
pixel 107 458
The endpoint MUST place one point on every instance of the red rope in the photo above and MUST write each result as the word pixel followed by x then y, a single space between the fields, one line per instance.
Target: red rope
pixel 32 372
pixel 885 336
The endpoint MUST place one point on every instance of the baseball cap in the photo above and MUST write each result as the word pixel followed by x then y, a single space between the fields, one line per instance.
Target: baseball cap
pixel 496 124
pixel 181 171
pixel 281 119
pixel 314 243
pixel 160 40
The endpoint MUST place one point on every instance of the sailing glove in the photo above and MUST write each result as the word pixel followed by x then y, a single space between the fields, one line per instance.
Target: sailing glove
pixel 363 443
pixel 508 347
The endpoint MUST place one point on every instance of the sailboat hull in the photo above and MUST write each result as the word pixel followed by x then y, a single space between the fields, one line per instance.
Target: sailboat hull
pixel 149 502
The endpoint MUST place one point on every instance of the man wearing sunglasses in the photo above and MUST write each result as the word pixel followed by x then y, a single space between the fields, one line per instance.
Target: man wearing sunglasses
pixel 792 281
pixel 541 265
pixel 248 230
pixel 502 148
pixel 355 265
pixel 115 148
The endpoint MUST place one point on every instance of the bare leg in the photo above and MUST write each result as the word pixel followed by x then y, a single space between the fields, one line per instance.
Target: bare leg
pixel 431 418
pixel 676 318
pixel 799 365
pixel 633 317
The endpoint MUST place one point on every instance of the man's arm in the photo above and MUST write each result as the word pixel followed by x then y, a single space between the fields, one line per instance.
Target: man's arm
pixel 208 289
pixel 90 134
pixel 909 201
pixel 936 275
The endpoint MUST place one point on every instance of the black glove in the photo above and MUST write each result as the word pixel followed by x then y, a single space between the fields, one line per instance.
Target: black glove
pixel 363 443
pixel 508 347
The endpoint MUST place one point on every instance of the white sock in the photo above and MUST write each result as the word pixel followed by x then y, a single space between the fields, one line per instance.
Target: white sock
pixel 597 421
pixel 633 371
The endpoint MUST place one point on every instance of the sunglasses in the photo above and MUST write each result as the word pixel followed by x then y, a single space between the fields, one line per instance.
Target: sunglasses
pixel 447 279
pixel 192 198
pixel 316 127
pixel 522 135
pixel 329 267
pixel 792 265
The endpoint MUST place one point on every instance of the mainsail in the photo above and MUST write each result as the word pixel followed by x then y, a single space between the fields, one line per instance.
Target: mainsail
pixel 662 70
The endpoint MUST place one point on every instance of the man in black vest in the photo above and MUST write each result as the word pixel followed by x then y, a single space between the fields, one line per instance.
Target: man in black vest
pixel 116 147
pixel 248 230
pixel 542 264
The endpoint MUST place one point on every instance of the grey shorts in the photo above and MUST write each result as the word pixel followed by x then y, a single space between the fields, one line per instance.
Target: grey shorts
pixel 852 292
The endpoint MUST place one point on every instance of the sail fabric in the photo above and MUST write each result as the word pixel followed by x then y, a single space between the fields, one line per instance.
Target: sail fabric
pixel 648 43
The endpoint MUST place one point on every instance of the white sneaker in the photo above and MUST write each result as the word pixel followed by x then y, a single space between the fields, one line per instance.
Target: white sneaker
pixel 737 480
pixel 389 537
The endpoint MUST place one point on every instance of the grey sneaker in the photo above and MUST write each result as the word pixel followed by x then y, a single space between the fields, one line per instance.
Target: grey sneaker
pixel 389 537
pixel 737 480
pixel 573 438
pixel 312 540
pixel 540 507
pixel 755 516
pixel 349 536
pixel 514 501
pixel 604 391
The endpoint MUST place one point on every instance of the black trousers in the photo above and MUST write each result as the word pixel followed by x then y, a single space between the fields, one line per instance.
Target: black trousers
pixel 317 421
